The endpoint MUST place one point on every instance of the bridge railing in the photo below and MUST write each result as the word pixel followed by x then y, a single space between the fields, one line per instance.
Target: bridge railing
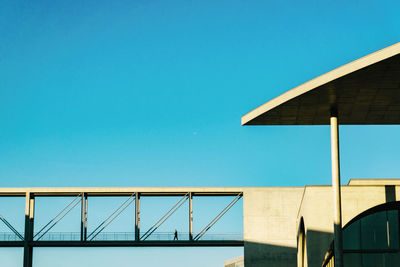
pixel 125 236
pixel 9 236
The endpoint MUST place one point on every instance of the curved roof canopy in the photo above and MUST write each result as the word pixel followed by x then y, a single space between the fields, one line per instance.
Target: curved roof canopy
pixel 365 91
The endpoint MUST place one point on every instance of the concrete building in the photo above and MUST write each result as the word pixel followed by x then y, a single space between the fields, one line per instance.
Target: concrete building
pixel 353 225
pixel 293 226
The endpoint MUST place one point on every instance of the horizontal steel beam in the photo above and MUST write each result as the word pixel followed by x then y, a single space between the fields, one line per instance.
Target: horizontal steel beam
pixel 12 243
pixel 123 191
pixel 203 243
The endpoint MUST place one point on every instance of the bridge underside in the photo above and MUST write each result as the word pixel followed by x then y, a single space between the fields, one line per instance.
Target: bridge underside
pixel 204 243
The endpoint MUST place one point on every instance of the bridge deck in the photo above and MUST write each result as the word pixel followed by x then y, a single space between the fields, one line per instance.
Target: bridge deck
pixel 203 243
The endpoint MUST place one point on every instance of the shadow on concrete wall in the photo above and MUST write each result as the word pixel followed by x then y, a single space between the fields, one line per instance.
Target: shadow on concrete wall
pixel 260 254
pixel 264 254
pixel 318 244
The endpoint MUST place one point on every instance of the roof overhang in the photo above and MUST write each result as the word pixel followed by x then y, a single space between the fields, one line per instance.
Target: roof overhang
pixel 365 91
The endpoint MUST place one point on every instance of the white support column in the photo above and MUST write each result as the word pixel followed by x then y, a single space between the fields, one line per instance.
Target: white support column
pixel 337 219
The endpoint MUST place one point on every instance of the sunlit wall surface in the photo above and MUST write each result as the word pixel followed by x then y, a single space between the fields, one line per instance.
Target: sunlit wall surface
pixel 236 262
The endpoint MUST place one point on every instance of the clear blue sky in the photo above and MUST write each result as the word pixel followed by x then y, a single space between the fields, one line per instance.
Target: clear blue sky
pixel 150 93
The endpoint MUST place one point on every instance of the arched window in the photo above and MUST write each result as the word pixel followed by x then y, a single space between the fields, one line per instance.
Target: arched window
pixel 372 238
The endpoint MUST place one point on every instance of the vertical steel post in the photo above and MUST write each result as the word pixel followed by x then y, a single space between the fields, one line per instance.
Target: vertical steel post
pixel 86 217
pixel 137 216
pixel 28 235
pixel 190 216
pixel 337 220
pixel 84 210
pixel 82 216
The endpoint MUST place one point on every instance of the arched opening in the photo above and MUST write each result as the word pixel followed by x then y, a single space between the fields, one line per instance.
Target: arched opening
pixel 372 237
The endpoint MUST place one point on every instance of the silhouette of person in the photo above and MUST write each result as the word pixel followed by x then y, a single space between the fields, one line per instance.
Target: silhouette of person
pixel 176 235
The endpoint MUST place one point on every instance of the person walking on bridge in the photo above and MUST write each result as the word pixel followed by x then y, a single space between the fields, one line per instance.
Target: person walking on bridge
pixel 176 235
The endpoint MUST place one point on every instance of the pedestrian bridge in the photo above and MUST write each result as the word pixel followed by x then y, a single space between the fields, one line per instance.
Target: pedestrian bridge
pixel 44 236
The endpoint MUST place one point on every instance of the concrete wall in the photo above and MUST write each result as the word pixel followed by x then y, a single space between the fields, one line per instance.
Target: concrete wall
pixel 270 226
pixel 236 262
pixel 272 217
pixel 317 209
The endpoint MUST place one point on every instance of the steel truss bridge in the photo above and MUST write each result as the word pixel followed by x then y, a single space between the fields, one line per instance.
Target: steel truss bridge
pixel 44 237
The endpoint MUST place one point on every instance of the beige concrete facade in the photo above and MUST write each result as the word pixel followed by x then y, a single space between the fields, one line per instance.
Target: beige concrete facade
pixel 273 216
pixel 316 211
pixel 269 232
pixel 236 262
